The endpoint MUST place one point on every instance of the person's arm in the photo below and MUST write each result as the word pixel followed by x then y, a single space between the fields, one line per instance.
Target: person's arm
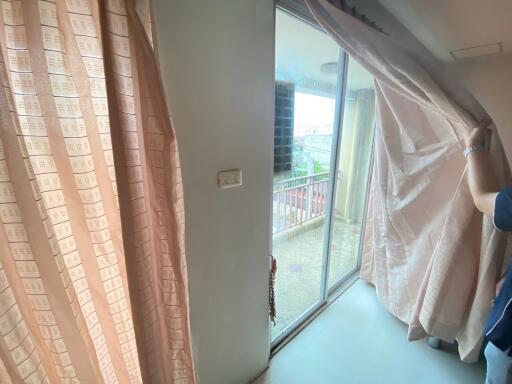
pixel 483 184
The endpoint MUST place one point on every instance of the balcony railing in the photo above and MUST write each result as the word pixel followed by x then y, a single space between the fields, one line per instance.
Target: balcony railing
pixel 299 200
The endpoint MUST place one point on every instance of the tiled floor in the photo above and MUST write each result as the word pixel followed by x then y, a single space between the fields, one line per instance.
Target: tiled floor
pixel 356 341
pixel 299 255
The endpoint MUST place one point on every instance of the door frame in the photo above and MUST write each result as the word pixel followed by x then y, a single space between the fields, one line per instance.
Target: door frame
pixel 297 9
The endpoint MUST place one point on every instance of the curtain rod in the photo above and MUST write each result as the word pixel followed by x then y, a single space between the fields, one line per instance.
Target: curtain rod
pixel 299 7
pixel 352 10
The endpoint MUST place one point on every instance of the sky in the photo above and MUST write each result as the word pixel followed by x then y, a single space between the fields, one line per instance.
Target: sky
pixel 313 112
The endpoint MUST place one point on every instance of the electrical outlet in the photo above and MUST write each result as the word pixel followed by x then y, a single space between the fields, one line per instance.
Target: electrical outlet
pixel 230 178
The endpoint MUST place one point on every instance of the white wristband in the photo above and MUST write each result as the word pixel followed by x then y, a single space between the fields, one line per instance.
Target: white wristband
pixel 475 148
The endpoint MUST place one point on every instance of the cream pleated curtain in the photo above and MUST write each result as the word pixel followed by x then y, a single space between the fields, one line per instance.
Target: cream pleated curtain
pixel 93 284
pixel 433 258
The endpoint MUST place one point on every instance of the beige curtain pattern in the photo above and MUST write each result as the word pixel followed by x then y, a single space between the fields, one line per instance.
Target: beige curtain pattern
pixel 433 259
pixel 93 282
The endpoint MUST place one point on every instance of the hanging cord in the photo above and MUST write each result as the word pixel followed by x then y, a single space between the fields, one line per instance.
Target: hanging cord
pixel 272 293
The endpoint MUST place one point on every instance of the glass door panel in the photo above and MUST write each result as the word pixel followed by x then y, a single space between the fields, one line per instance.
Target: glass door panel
pixel 306 113
pixel 354 159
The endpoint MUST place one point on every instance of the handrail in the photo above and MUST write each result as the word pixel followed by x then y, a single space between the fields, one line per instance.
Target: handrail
pixel 295 205
pixel 300 185
pixel 303 177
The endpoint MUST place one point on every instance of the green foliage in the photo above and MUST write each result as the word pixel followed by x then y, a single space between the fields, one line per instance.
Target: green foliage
pixel 300 165
pixel 319 168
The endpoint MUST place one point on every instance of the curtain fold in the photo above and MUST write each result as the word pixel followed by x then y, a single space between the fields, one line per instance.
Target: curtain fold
pixel 152 206
pixel 433 259
pixel 89 292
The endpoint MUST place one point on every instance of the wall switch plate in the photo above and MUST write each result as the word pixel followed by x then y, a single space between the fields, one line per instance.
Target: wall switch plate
pixel 230 178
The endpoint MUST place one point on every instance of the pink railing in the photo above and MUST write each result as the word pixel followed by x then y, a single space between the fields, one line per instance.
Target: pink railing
pixel 298 200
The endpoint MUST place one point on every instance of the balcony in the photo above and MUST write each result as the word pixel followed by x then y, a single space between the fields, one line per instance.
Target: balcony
pixel 299 212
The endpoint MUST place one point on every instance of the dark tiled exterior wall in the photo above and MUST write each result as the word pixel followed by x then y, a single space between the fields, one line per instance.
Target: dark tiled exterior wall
pixel 283 126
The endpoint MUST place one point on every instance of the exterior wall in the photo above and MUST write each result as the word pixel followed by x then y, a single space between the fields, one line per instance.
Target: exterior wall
pixel 283 126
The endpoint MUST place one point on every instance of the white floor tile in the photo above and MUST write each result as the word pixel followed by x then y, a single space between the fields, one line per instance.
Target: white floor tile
pixel 356 341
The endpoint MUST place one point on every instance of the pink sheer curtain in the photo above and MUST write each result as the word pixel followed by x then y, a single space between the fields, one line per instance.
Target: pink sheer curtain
pixel 93 283
pixel 432 257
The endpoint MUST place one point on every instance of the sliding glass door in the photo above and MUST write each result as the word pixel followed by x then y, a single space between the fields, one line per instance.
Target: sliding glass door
pixel 352 173
pixel 306 116
pixel 324 111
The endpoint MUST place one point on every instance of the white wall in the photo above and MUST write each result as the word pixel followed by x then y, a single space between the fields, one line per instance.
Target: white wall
pixel 217 63
pixel 389 23
pixel 217 60
pixel 490 81
pixel 488 78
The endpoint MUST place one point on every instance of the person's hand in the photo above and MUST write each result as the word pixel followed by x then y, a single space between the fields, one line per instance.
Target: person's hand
pixel 476 136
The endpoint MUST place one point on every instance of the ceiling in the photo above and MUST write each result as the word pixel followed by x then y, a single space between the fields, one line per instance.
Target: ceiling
pixel 448 25
pixel 301 50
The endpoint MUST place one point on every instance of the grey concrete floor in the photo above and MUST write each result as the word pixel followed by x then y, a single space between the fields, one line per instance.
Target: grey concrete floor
pixel 299 255
pixel 356 341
